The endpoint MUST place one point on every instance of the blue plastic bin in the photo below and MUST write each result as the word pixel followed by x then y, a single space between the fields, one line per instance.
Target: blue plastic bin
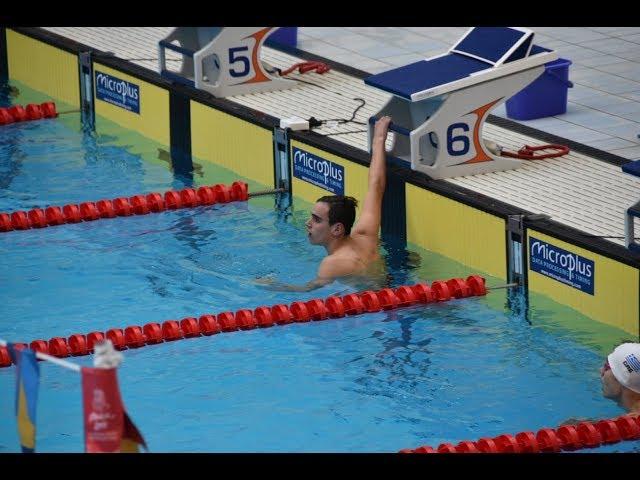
pixel 287 36
pixel 544 97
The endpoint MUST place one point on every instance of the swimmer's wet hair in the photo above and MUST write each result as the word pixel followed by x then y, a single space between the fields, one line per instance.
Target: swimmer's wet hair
pixel 341 209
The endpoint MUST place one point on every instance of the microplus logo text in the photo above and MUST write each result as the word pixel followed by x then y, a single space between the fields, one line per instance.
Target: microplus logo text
pixel 117 92
pixel 318 171
pixel 561 265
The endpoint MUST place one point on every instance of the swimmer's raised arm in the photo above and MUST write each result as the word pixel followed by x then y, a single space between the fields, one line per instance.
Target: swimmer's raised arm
pixel 369 222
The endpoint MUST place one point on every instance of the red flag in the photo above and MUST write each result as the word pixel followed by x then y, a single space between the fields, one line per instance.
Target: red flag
pixel 107 427
pixel 103 412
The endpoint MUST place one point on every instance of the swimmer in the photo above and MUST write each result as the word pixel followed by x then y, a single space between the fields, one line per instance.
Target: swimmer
pixel 352 250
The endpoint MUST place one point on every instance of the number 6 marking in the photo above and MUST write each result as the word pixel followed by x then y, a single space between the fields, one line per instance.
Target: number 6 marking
pixel 460 138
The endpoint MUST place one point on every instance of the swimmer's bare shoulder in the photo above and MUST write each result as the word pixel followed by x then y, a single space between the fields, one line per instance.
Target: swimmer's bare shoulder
pixel 338 265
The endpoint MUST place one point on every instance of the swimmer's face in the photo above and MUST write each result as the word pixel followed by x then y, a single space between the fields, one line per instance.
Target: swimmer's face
pixel 318 228
pixel 611 388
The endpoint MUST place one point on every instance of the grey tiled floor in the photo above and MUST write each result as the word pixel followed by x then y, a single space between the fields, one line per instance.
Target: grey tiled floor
pixel 604 105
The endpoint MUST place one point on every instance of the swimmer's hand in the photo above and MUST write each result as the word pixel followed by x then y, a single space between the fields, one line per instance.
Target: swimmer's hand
pixel 264 280
pixel 269 283
pixel 576 420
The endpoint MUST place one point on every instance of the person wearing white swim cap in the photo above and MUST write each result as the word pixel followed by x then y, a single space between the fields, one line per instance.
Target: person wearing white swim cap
pixel 620 376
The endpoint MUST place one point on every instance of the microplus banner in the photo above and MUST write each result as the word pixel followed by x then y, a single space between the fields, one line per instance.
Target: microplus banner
pixel 117 92
pixel 561 265
pixel 318 171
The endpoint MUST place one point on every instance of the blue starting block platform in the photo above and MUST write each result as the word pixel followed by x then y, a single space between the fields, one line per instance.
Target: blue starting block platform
pixel 632 168
pixel 439 104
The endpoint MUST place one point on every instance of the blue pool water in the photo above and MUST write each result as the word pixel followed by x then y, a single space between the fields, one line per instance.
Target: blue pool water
pixel 379 382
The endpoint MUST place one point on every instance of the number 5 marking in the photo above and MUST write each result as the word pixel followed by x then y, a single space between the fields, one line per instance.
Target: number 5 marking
pixel 233 58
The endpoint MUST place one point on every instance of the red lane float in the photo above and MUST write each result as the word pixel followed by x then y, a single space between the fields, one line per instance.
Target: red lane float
pixel 5 222
pixel 208 325
pixel 155 202
pixel 264 316
pixel 171 331
pixel 565 437
pixel 152 333
pixel 71 213
pixel 123 206
pixel 5 359
pixel 18 113
pixel 139 204
pixel 245 320
pixel 116 335
pixel 93 338
pixel 281 314
pixel 300 312
pixel 133 337
pixel 20 221
pixel 335 307
pixel 5 117
pixel 189 327
pixel 189 198
pixel 54 216
pixel 352 304
pixel 33 111
pixel 58 347
pixel 39 346
pixel 89 211
pixel 37 218
pixel 317 309
pixel 78 344
pixel 227 322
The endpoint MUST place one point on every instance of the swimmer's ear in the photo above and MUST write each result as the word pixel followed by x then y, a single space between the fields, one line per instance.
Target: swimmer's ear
pixel 337 229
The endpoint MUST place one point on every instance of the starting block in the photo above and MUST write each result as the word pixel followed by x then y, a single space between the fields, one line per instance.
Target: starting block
pixel 223 61
pixel 440 104
pixel 633 212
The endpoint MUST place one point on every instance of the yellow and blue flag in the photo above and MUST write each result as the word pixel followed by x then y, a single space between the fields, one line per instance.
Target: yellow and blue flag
pixel 27 381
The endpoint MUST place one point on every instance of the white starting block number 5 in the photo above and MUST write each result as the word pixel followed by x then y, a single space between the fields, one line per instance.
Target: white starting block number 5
pixel 225 60
pixel 243 60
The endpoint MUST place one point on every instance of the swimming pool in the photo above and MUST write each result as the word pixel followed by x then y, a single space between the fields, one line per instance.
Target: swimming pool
pixel 377 382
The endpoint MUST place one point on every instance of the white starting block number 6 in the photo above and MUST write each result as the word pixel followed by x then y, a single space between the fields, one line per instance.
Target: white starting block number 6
pixel 440 104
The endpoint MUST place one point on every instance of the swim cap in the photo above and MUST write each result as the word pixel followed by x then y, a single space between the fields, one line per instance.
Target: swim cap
pixel 625 365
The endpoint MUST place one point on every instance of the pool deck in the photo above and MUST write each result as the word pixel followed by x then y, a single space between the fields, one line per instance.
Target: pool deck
pixel 577 190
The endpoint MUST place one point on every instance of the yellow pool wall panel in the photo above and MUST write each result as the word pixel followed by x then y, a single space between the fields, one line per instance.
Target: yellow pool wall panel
pixel 44 68
pixel 457 231
pixel 228 141
pixel 615 298
pixel 153 119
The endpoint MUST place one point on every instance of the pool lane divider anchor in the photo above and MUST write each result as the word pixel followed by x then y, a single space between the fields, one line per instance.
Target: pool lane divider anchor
pixel 261 317
pixel 564 438
pixel 125 206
